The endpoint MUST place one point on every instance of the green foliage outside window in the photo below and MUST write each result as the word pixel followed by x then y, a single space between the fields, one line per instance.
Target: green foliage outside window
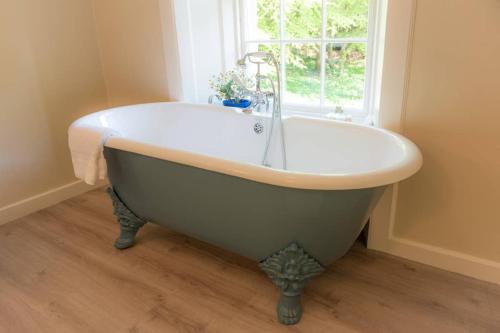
pixel 345 62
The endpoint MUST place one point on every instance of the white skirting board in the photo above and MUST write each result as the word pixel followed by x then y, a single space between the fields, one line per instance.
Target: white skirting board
pixel 382 238
pixel 43 200
pixel 454 261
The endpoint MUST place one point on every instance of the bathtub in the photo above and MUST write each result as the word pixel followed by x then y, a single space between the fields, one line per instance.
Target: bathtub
pixel 197 169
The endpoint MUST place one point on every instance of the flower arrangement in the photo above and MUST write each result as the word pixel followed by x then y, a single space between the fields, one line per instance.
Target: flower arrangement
pixel 231 85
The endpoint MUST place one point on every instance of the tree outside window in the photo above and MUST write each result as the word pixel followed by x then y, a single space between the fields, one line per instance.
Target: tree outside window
pixel 321 43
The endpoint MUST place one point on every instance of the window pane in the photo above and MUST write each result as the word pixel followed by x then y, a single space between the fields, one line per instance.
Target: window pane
pixel 345 74
pixel 347 18
pixel 262 18
pixel 303 18
pixel 302 73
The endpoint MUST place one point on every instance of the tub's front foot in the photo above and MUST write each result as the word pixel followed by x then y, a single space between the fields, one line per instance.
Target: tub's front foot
pixel 289 309
pixel 129 222
pixel 290 269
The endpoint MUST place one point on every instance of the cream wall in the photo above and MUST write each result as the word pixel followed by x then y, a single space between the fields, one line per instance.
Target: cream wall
pixel 446 215
pixel 50 74
pixel 453 114
pixel 132 50
pixel 63 59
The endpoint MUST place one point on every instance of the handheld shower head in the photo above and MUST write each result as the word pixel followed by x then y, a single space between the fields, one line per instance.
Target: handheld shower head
pixel 258 58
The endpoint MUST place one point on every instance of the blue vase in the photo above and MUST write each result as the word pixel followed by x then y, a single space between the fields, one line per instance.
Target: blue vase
pixel 243 104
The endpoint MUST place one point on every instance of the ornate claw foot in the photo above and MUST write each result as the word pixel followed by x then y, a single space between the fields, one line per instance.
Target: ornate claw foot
pixel 289 309
pixel 290 269
pixel 129 222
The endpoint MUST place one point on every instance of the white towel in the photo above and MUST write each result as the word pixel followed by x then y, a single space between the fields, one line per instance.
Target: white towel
pixel 86 144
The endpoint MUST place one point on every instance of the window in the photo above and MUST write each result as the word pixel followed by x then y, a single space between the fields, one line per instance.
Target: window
pixel 324 48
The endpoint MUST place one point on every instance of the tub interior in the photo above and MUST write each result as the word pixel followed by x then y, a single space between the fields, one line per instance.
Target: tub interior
pixel 312 145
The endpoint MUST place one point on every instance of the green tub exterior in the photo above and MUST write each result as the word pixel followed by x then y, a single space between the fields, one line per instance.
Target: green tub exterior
pixel 253 219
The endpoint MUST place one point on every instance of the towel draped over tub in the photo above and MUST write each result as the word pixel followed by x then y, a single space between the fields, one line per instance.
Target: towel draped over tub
pixel 86 145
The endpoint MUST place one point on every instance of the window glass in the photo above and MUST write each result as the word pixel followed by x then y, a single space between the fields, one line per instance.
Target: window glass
pixel 303 18
pixel 302 73
pixel 262 20
pixel 345 74
pixel 324 62
pixel 347 19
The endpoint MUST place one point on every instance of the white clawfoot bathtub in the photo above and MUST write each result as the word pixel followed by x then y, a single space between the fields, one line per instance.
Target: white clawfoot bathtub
pixel 197 169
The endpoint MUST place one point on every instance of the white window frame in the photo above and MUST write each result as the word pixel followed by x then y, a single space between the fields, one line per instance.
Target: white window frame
pixel 372 61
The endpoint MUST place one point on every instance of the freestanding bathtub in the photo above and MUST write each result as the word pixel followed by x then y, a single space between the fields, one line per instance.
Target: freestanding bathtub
pixel 197 169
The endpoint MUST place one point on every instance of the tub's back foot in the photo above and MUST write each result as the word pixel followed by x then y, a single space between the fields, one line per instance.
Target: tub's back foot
pixel 129 222
pixel 290 269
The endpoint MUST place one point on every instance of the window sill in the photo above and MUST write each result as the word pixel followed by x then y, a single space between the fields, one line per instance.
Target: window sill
pixel 359 116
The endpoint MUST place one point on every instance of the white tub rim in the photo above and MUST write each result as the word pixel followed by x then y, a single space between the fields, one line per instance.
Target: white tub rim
pixel 409 165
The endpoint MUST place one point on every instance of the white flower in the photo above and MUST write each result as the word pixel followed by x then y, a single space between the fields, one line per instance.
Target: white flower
pixel 225 87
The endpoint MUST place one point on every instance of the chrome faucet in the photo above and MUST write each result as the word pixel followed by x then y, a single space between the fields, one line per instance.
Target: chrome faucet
pixel 258 97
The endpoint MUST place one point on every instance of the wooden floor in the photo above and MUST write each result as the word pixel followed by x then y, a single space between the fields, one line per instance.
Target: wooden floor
pixel 60 273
